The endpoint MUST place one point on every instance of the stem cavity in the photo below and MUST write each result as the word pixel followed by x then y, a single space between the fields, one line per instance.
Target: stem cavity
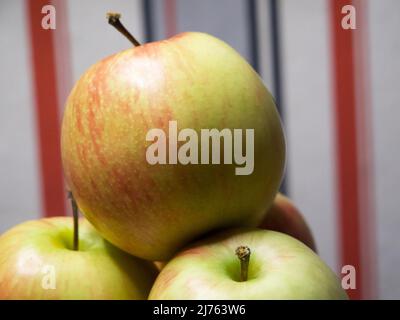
pixel 113 19
pixel 76 220
pixel 243 253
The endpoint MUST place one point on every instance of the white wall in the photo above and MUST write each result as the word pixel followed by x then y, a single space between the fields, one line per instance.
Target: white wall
pixel 307 96
pixel 19 183
pixel 308 109
pixel 384 29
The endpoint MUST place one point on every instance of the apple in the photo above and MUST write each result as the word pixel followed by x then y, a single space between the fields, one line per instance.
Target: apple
pixel 284 217
pixel 192 81
pixel 271 265
pixel 37 262
pixel 159 264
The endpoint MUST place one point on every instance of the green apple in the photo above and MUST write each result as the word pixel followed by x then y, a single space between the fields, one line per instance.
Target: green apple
pixel 285 217
pixel 194 81
pixel 278 267
pixel 37 262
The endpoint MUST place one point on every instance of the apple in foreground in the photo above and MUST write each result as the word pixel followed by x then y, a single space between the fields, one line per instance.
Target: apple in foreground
pixel 271 265
pixel 191 81
pixel 37 262
pixel 284 217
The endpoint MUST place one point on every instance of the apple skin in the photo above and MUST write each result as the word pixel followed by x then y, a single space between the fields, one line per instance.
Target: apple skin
pixel 284 217
pixel 151 211
pixel 97 271
pixel 160 264
pixel 280 267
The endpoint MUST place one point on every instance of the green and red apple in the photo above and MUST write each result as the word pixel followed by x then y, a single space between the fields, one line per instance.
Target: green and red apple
pixel 279 267
pixel 198 82
pixel 285 217
pixel 37 261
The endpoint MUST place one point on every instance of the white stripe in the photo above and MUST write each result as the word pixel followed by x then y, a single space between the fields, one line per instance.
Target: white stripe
pixel 19 169
pixel 309 119
pixel 384 25
pixel 365 154
pixel 92 38
pixel 62 53
pixel 264 41
pixel 225 19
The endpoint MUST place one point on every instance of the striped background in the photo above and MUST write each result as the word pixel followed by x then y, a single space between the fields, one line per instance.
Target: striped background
pixel 337 92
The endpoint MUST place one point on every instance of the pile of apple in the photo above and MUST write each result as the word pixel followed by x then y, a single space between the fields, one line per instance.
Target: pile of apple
pixel 208 228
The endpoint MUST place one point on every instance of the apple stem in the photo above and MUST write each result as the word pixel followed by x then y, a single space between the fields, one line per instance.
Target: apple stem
pixel 75 214
pixel 243 253
pixel 113 19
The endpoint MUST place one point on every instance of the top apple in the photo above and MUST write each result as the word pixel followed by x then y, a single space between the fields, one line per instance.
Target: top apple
pixel 140 155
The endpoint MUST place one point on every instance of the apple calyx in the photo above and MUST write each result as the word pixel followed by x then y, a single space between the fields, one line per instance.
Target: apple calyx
pixel 113 19
pixel 76 221
pixel 243 253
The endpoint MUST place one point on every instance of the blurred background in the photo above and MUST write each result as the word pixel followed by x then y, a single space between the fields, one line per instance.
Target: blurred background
pixel 337 91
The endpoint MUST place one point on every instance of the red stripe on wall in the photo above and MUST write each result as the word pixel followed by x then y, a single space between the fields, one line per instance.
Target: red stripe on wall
pixel 354 148
pixel 47 110
pixel 346 145
pixel 170 17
